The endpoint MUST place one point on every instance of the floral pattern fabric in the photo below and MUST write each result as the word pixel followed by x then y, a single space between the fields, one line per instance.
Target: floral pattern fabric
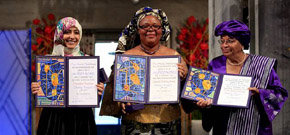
pixel 63 25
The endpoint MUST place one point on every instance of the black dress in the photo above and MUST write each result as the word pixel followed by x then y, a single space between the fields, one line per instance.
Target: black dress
pixel 67 121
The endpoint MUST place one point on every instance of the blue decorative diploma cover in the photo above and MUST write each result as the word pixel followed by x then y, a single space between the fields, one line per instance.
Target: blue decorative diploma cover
pixel 130 78
pixel 200 84
pixel 50 74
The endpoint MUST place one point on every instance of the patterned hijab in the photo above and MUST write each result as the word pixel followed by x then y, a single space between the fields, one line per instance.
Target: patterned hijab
pixel 129 37
pixel 59 47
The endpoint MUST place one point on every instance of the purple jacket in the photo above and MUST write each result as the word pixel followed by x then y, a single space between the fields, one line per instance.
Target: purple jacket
pixel 257 119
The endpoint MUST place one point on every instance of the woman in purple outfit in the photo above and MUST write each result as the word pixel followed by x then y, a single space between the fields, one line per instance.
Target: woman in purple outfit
pixel 268 95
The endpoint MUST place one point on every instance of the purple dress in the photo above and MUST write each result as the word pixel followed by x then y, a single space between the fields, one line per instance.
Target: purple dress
pixel 263 108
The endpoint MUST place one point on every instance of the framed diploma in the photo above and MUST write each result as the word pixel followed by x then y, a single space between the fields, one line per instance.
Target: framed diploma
pixel 224 89
pixel 146 79
pixel 67 81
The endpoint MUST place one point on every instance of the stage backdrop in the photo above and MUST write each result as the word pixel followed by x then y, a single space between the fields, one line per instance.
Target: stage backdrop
pixel 15 106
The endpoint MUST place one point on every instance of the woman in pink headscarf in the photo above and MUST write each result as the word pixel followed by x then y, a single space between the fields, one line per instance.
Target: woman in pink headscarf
pixel 67 121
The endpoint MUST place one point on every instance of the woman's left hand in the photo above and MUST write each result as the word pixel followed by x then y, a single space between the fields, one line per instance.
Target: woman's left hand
pixel 100 88
pixel 254 90
pixel 182 70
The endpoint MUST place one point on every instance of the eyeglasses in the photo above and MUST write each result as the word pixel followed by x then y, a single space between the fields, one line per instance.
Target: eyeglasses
pixel 147 27
pixel 229 41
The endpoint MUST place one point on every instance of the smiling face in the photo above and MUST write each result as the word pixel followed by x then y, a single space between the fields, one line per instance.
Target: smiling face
pixel 71 37
pixel 230 46
pixel 150 31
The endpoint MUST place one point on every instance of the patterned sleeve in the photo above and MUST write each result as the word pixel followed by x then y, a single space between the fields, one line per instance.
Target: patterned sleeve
pixel 110 107
pixel 274 96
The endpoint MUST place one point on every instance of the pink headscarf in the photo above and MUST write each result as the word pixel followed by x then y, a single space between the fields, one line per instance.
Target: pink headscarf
pixel 59 48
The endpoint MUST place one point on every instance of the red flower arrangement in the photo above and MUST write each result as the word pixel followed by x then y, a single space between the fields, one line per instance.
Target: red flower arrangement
pixel 193 42
pixel 42 37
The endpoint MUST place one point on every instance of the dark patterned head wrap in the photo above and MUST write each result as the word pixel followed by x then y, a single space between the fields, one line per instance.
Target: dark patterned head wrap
pixel 234 29
pixel 129 39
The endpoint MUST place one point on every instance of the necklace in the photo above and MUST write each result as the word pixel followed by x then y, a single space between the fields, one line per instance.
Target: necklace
pixel 148 52
pixel 237 64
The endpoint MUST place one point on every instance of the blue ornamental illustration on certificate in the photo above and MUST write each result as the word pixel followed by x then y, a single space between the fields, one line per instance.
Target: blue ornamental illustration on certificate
pixel 50 74
pixel 130 81
pixel 200 84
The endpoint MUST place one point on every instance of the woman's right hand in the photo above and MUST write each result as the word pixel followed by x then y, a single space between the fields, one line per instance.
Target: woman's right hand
pixel 204 103
pixel 123 105
pixel 35 87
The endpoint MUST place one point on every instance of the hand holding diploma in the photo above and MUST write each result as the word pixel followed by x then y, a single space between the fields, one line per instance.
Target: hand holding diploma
pixel 124 105
pixel 100 88
pixel 182 70
pixel 254 90
pixel 204 103
pixel 35 87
